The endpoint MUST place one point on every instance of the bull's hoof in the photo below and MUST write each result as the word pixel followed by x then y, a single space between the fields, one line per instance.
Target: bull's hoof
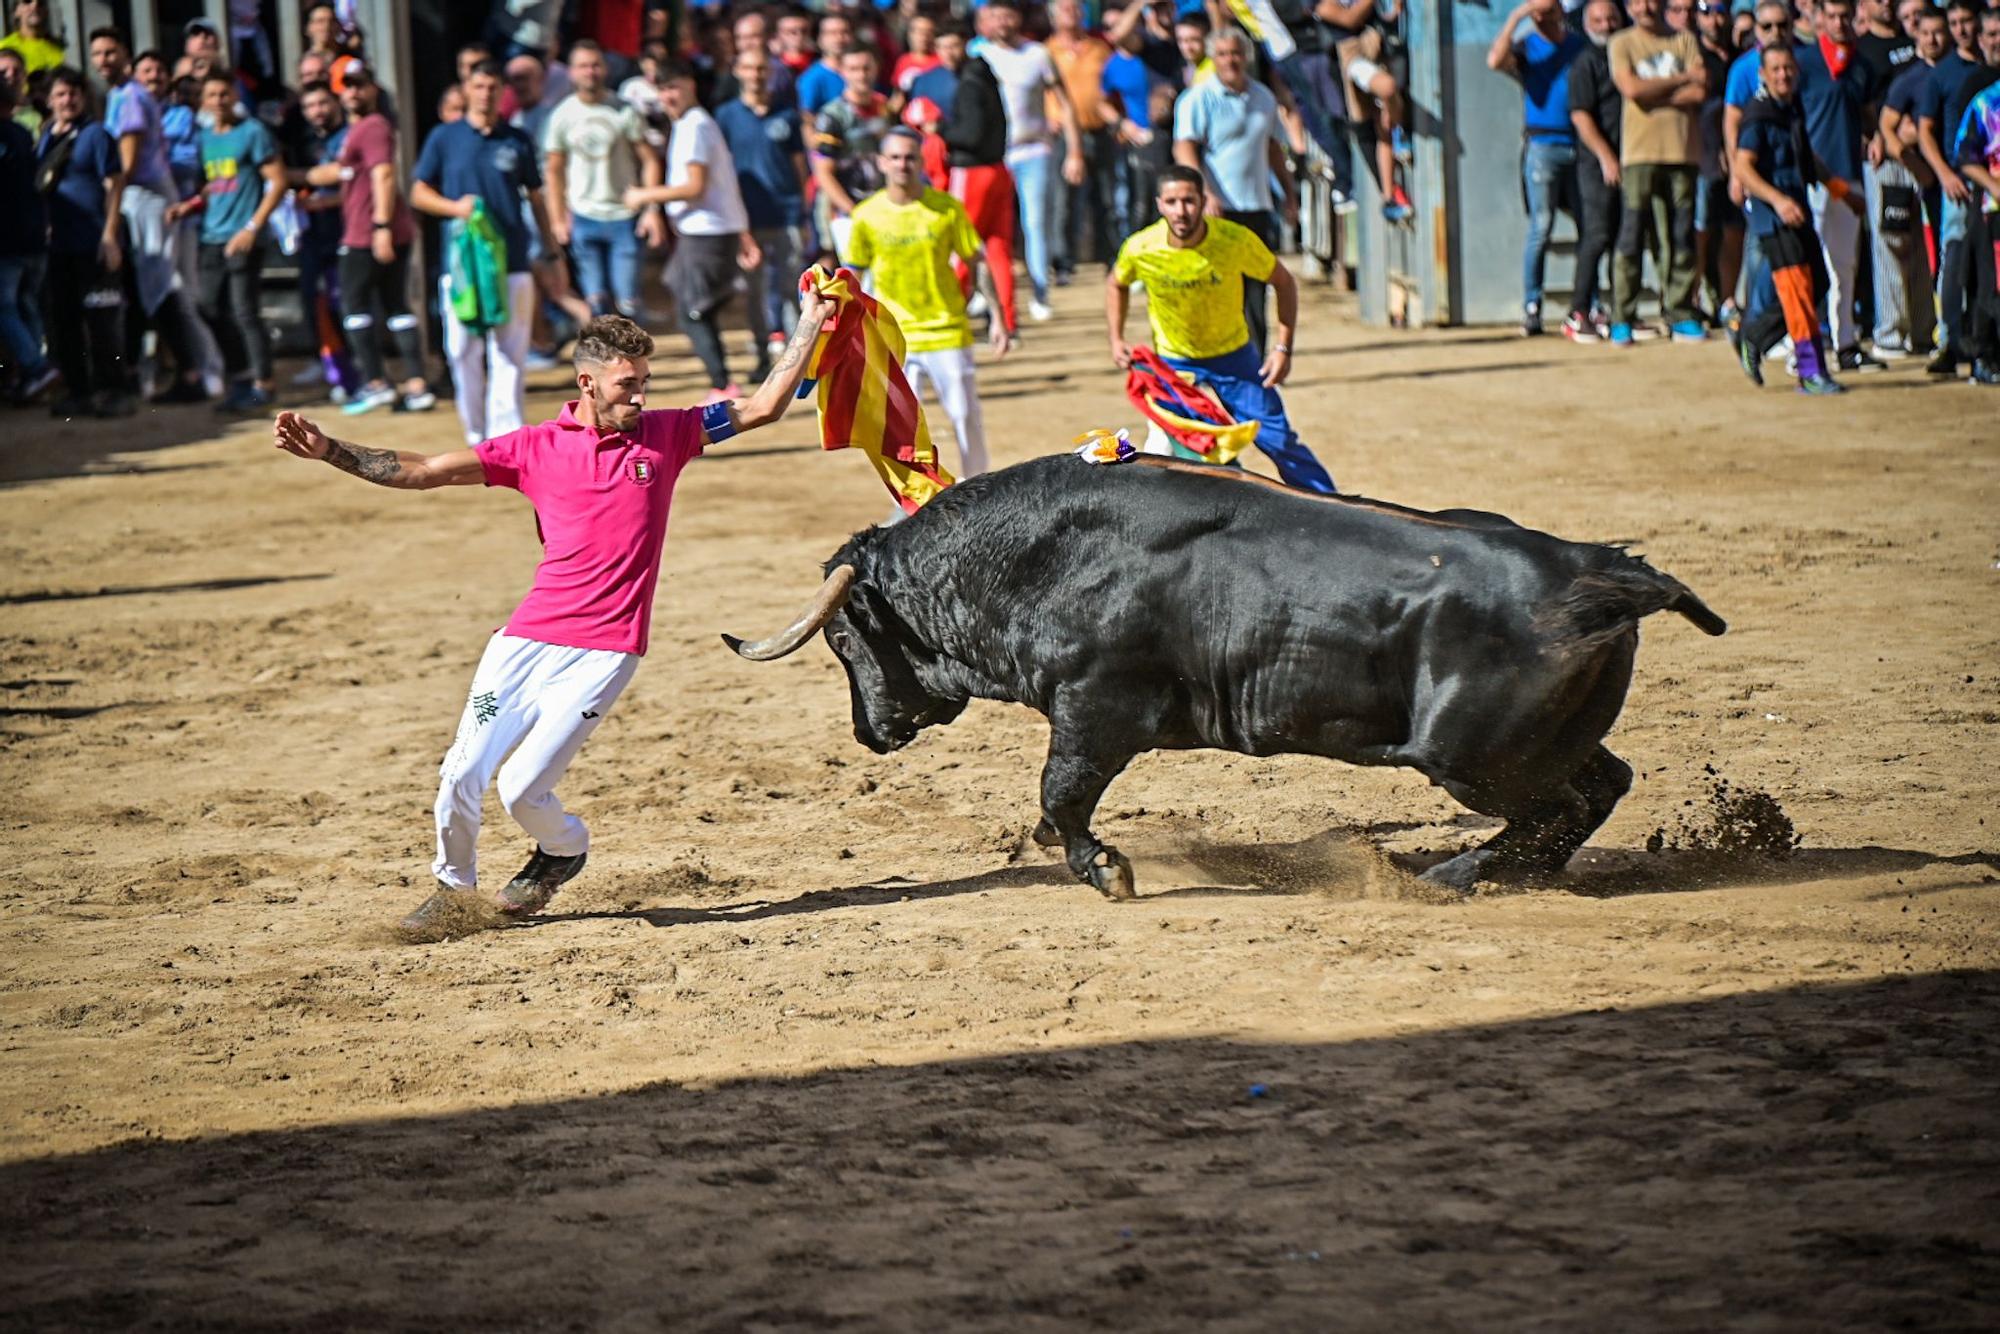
pixel 1461 872
pixel 1045 834
pixel 1111 875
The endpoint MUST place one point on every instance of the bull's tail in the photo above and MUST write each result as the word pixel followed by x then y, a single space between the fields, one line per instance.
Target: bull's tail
pixel 1602 604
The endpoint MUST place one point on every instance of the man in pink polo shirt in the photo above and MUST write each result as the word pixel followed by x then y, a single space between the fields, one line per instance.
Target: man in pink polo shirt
pixel 601 476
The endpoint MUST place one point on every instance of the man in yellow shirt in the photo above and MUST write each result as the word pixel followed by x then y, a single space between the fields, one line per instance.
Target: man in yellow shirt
pixel 31 37
pixel 905 235
pixel 1193 267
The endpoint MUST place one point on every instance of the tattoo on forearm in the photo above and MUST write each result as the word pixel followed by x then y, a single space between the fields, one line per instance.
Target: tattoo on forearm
pixel 380 466
pixel 794 350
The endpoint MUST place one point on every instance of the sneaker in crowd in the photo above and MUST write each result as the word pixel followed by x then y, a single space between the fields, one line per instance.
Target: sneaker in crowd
pixel 312 374
pixel 530 891
pixel 367 400
pixel 1690 331
pixel 1747 358
pixel 181 391
pixel 1398 209
pixel 1821 384
pixel 1943 364
pixel 1645 333
pixel 112 403
pixel 774 346
pixel 1621 335
pixel 1040 311
pixel 1888 351
pixel 1531 320
pixel 1986 373
pixel 1854 359
pixel 422 401
pixel 976 306
pixel 1343 205
pixel 1579 329
pixel 540 359
pixel 1399 144
pixel 35 383
pixel 1729 317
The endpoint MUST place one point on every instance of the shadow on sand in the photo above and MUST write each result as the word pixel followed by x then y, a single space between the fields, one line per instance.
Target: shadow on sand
pixel 1823 1157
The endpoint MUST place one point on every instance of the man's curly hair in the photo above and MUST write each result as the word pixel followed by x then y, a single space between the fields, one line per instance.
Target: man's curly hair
pixel 610 338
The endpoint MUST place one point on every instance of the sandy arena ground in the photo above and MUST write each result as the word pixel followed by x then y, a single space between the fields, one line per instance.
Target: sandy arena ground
pixel 819 1040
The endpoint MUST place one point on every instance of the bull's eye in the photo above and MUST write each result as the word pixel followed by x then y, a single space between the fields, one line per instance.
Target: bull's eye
pixel 837 638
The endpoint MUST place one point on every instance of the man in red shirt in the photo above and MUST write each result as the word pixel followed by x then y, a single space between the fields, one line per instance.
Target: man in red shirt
pixel 375 235
pixel 601 477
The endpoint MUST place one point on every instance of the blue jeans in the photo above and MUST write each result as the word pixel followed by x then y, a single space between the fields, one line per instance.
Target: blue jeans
pixel 21 310
pixel 1033 183
pixel 1548 182
pixel 774 306
pixel 1234 377
pixel 607 263
pixel 1316 91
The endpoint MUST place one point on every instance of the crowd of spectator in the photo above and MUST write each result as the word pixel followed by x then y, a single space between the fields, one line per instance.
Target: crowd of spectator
pixel 1803 178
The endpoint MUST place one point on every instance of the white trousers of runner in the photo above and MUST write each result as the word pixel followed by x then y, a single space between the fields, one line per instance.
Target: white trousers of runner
pixel 1840 241
pixel 540 702
pixel 486 368
pixel 951 378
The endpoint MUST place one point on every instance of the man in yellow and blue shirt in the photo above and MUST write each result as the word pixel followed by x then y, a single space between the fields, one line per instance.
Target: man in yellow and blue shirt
pixel 905 235
pixel 1193 268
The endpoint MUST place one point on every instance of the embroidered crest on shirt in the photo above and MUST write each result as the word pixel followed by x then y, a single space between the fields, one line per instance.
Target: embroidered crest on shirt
pixel 640 471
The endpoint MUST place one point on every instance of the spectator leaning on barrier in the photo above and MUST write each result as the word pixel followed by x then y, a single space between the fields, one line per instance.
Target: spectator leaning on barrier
pixel 1360 49
pixel 1597 113
pixel 82 179
pixel 1536 46
pixel 481 162
pixel 767 144
pixel 1227 129
pixel 1660 73
pixel 1905 311
pixel 596 149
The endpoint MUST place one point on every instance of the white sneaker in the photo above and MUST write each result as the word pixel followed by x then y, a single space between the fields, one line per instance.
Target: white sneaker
pixel 1040 311
pixel 977 306
pixel 1890 352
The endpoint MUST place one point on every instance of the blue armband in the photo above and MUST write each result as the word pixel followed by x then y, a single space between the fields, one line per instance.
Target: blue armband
pixel 717 422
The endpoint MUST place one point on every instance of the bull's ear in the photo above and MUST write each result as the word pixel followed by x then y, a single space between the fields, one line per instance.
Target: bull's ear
pixel 826 603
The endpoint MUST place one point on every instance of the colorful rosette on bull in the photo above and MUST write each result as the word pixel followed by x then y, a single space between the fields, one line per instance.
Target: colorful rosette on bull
pixel 1103 446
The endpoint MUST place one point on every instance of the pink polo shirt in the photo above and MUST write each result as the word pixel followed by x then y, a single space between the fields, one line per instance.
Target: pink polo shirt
pixel 601 510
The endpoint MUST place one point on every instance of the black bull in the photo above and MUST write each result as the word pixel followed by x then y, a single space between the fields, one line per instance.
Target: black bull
pixel 1159 605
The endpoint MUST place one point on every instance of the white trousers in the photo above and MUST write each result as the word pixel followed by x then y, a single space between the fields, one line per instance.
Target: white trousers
pixel 1839 230
pixel 951 379
pixel 487 368
pixel 540 701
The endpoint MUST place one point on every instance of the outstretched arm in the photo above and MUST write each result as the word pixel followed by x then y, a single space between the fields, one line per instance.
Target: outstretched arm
pixel 384 467
pixel 775 394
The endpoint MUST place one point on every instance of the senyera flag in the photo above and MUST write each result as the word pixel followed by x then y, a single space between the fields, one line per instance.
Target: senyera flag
pixel 864 401
pixel 1192 420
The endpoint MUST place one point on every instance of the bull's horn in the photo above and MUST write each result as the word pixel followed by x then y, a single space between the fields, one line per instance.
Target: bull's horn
pixel 830 598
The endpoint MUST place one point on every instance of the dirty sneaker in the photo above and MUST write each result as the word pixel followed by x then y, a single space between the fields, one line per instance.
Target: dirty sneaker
pixel 530 891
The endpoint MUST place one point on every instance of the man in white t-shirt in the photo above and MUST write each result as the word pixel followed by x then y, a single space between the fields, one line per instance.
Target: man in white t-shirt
pixel 710 223
pixel 595 149
pixel 1027 78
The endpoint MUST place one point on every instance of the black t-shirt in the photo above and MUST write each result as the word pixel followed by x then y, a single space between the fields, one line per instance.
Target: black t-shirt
pixel 1885 56
pixel 24 222
pixel 1591 90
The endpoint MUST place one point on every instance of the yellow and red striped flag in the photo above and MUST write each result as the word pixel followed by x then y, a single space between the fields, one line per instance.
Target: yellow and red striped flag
pixel 864 401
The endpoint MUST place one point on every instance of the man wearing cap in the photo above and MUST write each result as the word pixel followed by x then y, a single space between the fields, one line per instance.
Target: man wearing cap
pixel 376 230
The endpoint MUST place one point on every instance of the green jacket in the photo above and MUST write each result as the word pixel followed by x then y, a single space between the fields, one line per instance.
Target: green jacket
pixel 479 272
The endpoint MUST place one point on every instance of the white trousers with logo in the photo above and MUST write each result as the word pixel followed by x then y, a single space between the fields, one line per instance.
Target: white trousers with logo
pixel 951 376
pixel 486 368
pixel 1839 230
pixel 539 701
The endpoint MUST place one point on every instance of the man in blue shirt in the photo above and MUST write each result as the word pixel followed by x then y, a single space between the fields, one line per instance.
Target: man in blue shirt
pixel 244 179
pixel 768 146
pixel 1772 27
pixel 481 160
pixel 1838 94
pixel 1536 45
pixel 1957 65
pixel 822 82
pixel 85 301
